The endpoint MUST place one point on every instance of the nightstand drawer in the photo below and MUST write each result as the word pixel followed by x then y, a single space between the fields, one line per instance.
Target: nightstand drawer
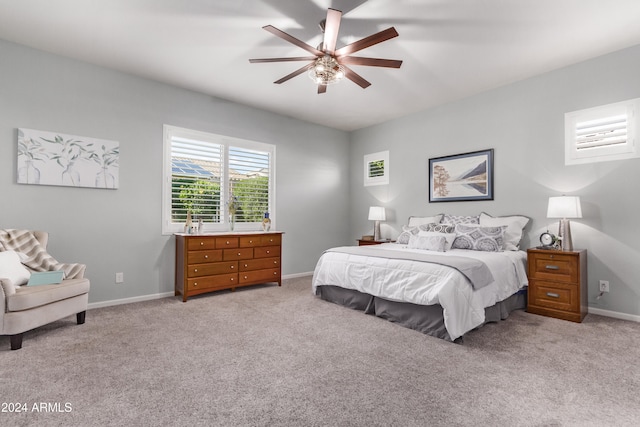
pixel 556 267
pixel 558 296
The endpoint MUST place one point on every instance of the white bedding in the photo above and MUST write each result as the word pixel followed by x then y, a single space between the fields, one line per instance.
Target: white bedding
pixel 426 283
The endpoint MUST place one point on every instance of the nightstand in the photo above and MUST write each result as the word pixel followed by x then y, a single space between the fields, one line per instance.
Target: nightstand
pixel 373 242
pixel 557 283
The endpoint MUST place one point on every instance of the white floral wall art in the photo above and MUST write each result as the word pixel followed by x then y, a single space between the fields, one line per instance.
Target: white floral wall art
pixel 49 158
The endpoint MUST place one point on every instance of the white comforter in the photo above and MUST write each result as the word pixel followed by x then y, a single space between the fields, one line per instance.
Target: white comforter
pixel 426 283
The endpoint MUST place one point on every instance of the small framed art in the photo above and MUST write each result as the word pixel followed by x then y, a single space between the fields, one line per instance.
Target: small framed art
pixel 461 177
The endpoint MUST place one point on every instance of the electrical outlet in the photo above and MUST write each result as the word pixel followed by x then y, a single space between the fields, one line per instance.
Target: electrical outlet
pixel 119 277
pixel 604 286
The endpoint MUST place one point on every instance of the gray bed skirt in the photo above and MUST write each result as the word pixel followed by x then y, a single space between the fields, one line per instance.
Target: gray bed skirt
pixel 427 319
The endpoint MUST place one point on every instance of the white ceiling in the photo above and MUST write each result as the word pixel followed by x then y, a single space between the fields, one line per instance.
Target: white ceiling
pixel 451 48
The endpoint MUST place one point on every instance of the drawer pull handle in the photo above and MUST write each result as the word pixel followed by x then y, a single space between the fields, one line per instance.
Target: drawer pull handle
pixel 195 283
pixel 228 242
pixel 245 266
pixel 201 243
pixel 552 267
pixel 275 262
pixel 232 279
pixel 239 254
pixel 232 267
pixel 245 277
pixel 553 295
pixel 275 273
pixel 268 252
pixel 250 241
pixel 206 257
pixel 195 270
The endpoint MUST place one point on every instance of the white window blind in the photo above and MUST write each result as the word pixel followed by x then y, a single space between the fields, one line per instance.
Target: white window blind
pixel 602 133
pixel 214 176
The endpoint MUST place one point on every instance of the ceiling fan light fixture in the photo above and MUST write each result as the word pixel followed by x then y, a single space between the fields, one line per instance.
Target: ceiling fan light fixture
pixel 326 71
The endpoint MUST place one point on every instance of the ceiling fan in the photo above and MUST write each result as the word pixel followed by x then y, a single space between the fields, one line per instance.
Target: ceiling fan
pixel 329 65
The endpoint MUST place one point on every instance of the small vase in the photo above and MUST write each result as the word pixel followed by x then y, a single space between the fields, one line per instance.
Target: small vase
pixel 266 222
pixel 232 221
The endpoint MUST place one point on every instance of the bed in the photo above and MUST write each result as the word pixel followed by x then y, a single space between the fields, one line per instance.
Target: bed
pixel 442 277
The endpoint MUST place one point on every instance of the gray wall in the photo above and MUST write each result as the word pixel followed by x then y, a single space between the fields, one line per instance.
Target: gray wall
pixel 120 230
pixel 524 123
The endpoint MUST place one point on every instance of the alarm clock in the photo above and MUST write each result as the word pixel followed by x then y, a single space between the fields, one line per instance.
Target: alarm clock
pixel 548 240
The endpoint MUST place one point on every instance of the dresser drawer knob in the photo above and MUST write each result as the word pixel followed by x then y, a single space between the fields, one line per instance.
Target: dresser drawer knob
pixel 552 267
pixel 245 277
pixel 250 241
pixel 275 273
pixel 271 240
pixel 268 252
pixel 246 265
pixel 206 257
pixel 228 242
pixel 201 243
pixel 232 267
pixel 275 262
pixel 553 295
pixel 195 283
pixel 232 279
pixel 195 270
pixel 239 253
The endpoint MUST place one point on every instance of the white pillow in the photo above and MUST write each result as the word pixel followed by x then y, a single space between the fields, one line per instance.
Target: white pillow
pixel 513 233
pixel 415 221
pixel 429 243
pixel 449 237
pixel 11 268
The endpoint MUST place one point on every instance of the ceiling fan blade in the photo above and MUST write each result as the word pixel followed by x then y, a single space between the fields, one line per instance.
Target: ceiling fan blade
pixel 322 89
pixel 295 73
pixel 366 42
pixel 331 28
pixel 276 32
pixel 372 62
pixel 295 58
pixel 355 77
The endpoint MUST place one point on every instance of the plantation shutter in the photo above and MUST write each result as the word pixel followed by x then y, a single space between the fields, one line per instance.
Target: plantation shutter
pixel 603 133
pixel 196 169
pixel 249 176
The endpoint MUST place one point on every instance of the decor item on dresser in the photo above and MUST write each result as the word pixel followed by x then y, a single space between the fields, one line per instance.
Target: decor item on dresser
pixel 564 207
pixel 207 263
pixel 420 282
pixel 30 303
pixel 558 283
pixel 376 214
pixel 266 222
pixel 49 158
pixel 461 177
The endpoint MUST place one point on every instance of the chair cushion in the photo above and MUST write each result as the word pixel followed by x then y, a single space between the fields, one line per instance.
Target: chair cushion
pixel 27 297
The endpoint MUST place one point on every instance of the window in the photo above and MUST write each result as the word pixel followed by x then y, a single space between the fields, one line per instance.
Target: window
pixel 210 175
pixel 599 134
pixel 376 168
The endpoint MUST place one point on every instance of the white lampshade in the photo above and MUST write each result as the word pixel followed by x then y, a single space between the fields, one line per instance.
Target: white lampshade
pixel 564 207
pixel 376 213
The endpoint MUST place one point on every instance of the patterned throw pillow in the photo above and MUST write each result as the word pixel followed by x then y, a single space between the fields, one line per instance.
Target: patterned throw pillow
pixel 407 232
pixel 460 219
pixel 515 227
pixel 477 238
pixel 429 243
pixel 441 228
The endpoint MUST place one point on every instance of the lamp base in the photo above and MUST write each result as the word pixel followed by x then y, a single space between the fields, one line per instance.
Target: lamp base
pixel 376 230
pixel 564 233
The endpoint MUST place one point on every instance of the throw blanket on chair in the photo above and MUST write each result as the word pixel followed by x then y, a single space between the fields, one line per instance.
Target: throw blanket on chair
pixel 37 257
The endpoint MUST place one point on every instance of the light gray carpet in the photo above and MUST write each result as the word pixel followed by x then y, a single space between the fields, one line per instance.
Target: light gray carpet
pixel 279 356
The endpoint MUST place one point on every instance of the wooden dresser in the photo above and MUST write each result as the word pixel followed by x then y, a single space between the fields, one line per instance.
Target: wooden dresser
pixel 557 283
pixel 211 262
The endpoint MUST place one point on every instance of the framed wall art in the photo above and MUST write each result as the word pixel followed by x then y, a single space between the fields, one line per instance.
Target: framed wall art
pixel 461 177
pixel 50 158
pixel 376 168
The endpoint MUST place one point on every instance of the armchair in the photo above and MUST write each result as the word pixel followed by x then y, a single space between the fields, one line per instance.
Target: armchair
pixel 29 307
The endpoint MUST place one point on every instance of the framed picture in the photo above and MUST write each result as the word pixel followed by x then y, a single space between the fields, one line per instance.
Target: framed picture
pixel 461 177
pixel 376 168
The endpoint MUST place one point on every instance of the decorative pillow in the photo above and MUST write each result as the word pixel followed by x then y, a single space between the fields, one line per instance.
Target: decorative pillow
pixel 407 232
pixel 460 219
pixel 515 226
pixel 429 243
pixel 441 228
pixel 415 221
pixel 478 238
pixel 450 237
pixel 11 268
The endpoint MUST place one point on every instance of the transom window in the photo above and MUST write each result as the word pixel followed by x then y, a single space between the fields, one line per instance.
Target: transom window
pixel 217 179
pixel 608 132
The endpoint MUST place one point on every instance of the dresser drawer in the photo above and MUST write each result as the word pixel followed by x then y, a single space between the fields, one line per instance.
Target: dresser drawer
pixel 259 264
pixel 199 243
pixel 220 281
pixel 268 275
pixel 198 270
pixel 556 267
pixel 261 240
pixel 226 242
pixel 238 253
pixel 558 296
pixel 266 251
pixel 199 257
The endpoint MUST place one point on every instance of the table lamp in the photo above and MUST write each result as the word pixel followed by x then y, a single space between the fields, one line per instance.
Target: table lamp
pixel 376 213
pixel 564 207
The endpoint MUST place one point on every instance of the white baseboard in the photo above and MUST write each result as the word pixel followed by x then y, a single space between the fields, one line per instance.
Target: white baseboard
pixel 129 300
pixel 615 314
pixel 165 295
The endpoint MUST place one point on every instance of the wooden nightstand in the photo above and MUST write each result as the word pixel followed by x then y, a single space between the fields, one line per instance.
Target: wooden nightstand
pixel 373 242
pixel 557 283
